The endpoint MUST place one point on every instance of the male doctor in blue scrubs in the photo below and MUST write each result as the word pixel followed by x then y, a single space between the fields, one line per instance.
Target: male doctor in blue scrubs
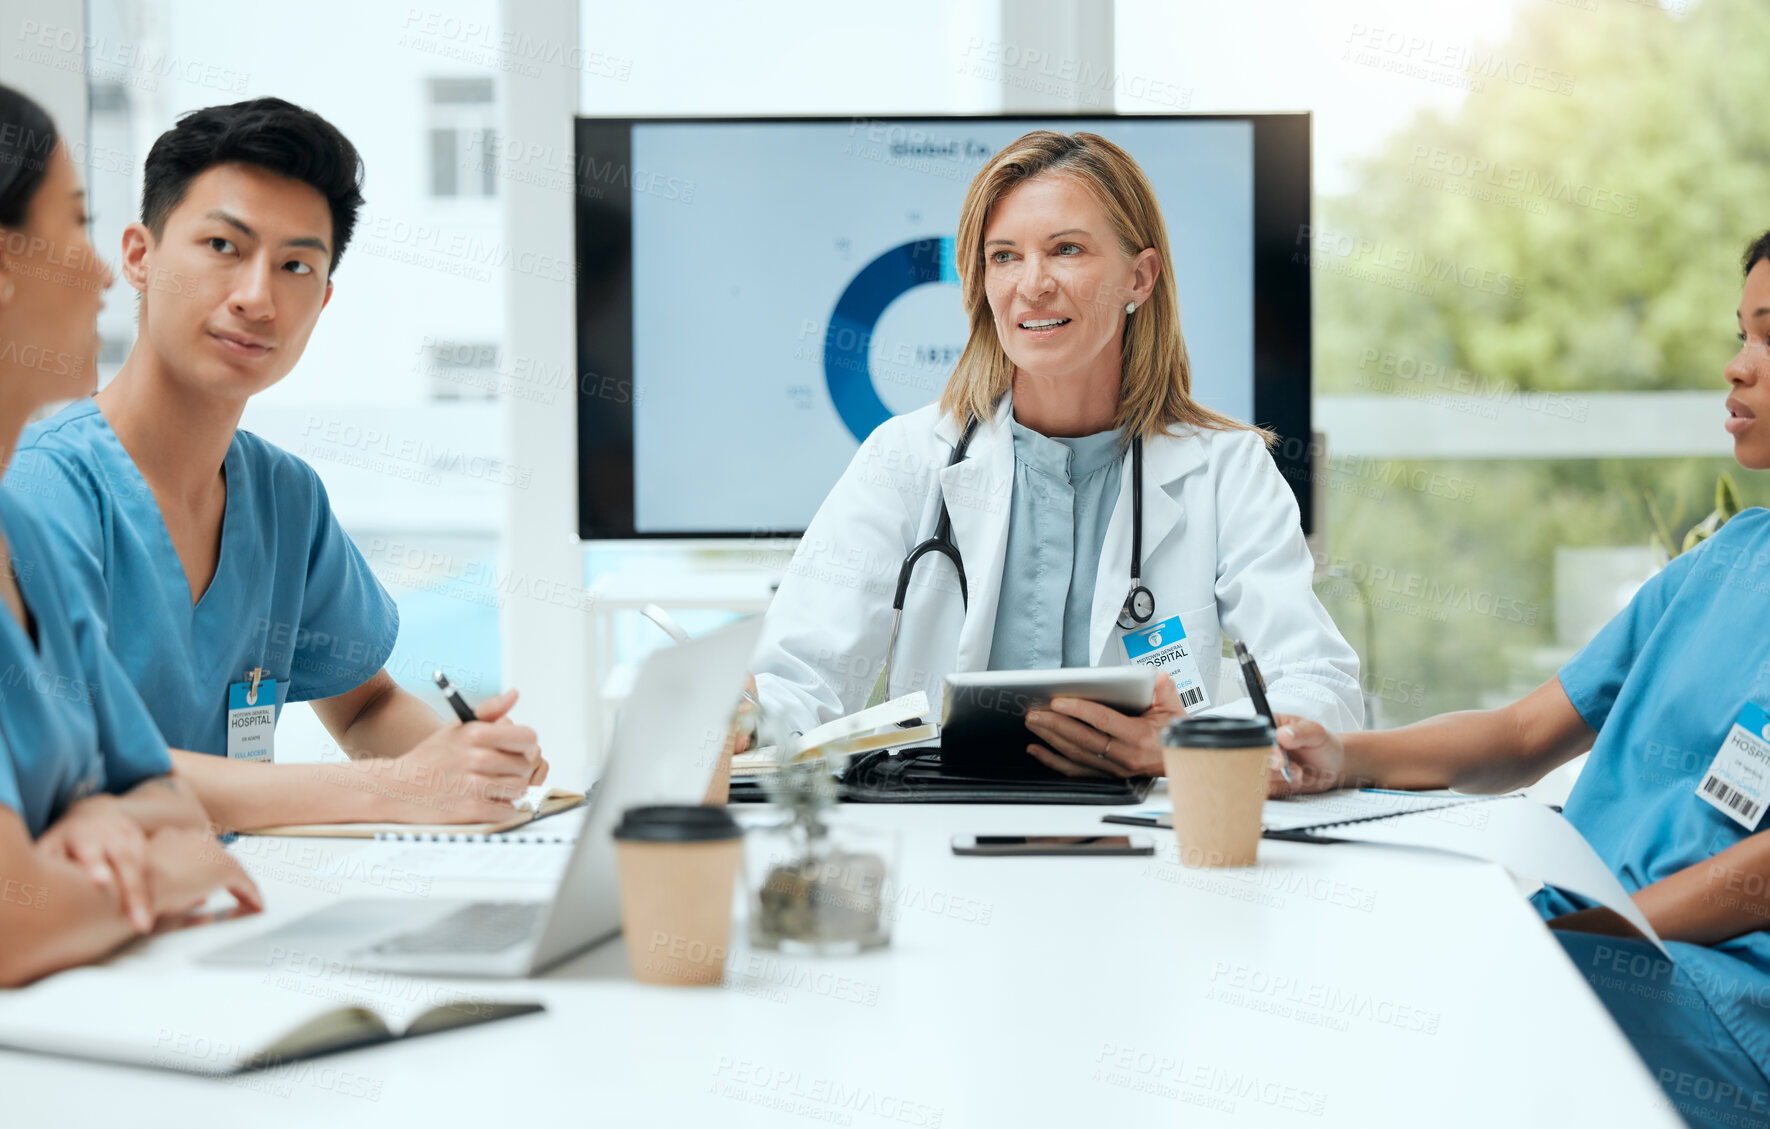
pixel 227 585
pixel 1673 699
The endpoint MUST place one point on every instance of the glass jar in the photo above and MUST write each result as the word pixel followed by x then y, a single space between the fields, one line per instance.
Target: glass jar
pixel 819 894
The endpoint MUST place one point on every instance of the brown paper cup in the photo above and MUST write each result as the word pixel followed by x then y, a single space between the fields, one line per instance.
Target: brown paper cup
pixel 676 908
pixel 679 869
pixel 1218 796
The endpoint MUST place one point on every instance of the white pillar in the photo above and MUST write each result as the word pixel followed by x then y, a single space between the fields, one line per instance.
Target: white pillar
pixel 1056 56
pixel 545 636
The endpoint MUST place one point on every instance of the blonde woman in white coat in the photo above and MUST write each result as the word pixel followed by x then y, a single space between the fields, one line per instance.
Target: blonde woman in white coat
pixel 1074 376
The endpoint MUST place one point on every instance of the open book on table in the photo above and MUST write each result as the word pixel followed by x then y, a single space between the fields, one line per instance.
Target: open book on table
pixel 206 1022
pixel 877 727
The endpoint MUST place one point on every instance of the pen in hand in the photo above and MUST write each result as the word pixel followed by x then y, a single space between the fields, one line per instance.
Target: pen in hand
pixel 466 714
pixel 1250 676
pixel 458 703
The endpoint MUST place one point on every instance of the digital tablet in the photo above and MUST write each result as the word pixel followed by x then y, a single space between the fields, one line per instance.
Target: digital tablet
pixel 983 721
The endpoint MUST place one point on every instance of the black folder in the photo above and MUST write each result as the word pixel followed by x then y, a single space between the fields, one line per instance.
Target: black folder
pixel 918 776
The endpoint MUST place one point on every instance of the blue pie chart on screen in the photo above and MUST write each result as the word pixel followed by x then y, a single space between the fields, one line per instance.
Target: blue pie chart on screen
pixel 881 282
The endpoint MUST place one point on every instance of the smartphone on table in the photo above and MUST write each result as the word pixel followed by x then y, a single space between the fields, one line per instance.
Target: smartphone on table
pixel 1053 845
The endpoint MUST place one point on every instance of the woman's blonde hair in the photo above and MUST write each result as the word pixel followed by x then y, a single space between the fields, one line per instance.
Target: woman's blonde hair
pixel 1155 384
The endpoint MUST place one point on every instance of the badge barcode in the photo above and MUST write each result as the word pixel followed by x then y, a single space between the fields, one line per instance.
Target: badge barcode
pixel 1732 797
pixel 1193 696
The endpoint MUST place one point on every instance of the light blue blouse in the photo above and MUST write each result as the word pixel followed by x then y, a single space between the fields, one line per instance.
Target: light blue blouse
pixel 1662 684
pixel 70 722
pixel 1064 493
pixel 291 594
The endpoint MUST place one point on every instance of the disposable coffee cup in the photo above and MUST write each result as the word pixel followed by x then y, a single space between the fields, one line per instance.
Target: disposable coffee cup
pixel 679 866
pixel 1217 774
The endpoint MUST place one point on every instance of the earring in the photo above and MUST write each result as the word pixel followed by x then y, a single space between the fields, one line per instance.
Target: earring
pixel 1130 307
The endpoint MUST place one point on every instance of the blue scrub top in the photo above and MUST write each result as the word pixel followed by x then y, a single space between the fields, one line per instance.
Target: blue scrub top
pixel 1064 493
pixel 291 594
pixel 70 722
pixel 1662 685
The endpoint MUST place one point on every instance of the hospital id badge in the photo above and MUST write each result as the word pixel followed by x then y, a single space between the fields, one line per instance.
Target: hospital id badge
pixel 1165 646
pixel 1738 782
pixel 251 720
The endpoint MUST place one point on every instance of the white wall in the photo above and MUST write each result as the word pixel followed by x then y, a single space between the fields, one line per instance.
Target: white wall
pixel 788 57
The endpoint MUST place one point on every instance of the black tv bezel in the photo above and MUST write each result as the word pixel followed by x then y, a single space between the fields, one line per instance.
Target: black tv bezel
pixel 1283 305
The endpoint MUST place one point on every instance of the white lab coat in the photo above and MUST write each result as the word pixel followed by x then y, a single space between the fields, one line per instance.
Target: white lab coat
pixel 1222 546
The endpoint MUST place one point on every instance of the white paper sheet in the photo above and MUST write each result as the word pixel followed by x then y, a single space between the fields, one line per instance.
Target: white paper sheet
pixel 1532 841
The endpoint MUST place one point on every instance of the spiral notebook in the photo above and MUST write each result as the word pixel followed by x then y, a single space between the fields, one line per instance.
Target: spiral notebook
pixel 1531 840
pixel 552 802
pixel 1303 816
pixel 563 830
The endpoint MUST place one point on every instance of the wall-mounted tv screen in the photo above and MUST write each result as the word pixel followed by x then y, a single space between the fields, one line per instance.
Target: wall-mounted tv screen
pixel 756 295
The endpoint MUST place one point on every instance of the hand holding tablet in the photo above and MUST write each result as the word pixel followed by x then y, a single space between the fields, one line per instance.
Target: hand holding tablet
pixel 1080 722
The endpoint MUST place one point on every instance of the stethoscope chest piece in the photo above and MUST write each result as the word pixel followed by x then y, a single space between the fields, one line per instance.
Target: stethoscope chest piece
pixel 1139 608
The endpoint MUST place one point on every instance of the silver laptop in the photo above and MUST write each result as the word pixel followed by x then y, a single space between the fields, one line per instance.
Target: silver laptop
pixel 674 722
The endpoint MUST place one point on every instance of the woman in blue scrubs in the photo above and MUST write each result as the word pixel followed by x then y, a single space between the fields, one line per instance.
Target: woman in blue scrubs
pixel 97 841
pixel 1673 699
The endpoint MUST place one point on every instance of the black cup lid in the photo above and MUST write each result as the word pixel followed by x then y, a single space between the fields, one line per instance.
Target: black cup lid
pixel 677 823
pixel 1219 733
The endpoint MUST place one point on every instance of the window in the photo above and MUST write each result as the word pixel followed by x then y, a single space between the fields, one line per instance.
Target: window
pixel 402 428
pixel 110 165
pixel 461 370
pixel 1520 319
pixel 463 135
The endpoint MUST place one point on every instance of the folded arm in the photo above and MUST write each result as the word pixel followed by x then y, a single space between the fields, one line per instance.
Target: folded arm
pixel 53 916
pixel 1704 904
pixel 108 837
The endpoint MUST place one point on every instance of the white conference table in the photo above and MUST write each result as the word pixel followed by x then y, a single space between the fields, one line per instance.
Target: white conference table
pixel 1328 986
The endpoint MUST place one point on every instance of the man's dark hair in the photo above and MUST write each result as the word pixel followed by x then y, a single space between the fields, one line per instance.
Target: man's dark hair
pixel 27 141
pixel 267 133
pixel 1758 251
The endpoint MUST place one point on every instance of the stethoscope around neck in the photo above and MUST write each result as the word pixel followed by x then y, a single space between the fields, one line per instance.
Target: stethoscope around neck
pixel 1139 607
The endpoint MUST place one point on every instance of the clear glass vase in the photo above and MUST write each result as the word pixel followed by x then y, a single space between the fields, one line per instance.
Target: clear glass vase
pixel 819 894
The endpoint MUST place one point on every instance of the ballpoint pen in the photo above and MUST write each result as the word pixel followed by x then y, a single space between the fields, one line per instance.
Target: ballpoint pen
pixel 466 714
pixel 1250 676
pixel 459 704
